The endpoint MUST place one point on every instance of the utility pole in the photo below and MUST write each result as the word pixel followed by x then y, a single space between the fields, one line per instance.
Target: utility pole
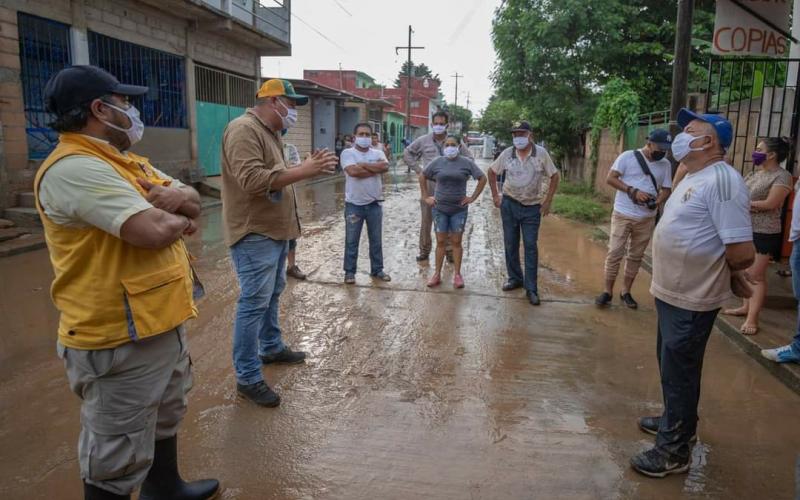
pixel 456 76
pixel 408 80
pixel 680 67
pixel 467 100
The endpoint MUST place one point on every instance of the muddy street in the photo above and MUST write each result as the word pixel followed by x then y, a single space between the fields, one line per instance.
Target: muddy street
pixel 411 392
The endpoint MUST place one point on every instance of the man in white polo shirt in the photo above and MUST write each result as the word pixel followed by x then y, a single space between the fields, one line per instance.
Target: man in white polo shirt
pixel 701 247
pixel 643 179
pixel 363 168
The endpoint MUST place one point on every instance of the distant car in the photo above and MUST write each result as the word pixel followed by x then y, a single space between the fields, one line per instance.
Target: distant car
pixel 474 139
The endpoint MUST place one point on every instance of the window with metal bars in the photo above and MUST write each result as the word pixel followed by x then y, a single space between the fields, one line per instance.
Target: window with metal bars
pixel 44 49
pixel 164 105
pixel 221 87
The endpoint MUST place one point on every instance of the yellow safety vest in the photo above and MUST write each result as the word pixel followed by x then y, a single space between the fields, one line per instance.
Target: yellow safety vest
pixel 110 292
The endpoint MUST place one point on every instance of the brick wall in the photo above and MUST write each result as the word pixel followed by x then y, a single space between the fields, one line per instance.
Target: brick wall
pixel 16 176
pixel 301 135
pixel 608 151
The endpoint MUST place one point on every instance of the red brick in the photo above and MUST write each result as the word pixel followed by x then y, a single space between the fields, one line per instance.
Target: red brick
pixel 9 30
pixel 17 160
pixel 10 90
pixel 12 119
pixel 8 15
pixel 14 134
pixel 9 61
pixel 9 45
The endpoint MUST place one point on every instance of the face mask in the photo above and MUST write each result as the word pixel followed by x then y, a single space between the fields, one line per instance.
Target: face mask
pixel 439 129
pixel 136 130
pixel 451 151
pixel 681 145
pixel 658 155
pixel 291 116
pixel 363 142
pixel 521 142
pixel 758 158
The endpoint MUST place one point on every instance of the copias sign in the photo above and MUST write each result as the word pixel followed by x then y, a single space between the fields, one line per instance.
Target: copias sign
pixel 738 33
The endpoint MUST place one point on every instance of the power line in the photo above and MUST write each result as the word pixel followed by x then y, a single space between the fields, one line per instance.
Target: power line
pixel 318 32
pixel 342 7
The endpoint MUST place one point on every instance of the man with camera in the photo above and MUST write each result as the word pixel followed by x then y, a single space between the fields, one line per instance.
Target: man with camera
pixel 643 180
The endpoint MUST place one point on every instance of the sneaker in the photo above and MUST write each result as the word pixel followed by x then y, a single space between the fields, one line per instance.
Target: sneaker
pixel 286 357
pixel 422 257
pixel 533 298
pixel 458 281
pixel 603 300
pixel 654 463
pixel 382 276
pixel 296 273
pixel 259 393
pixel 627 299
pixel 511 285
pixel 650 425
pixel 783 354
pixel 349 278
pixel 435 280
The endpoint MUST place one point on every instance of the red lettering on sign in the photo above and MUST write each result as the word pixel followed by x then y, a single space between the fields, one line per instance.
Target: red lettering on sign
pixel 743 33
pixel 755 36
pixel 716 39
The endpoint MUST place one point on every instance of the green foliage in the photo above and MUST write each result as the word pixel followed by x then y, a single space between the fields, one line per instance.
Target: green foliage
pixel 580 208
pixel 498 117
pixel 618 109
pixel 418 70
pixel 460 114
pixel 553 56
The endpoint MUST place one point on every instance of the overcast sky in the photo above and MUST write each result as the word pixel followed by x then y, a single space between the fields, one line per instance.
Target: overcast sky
pixel 362 35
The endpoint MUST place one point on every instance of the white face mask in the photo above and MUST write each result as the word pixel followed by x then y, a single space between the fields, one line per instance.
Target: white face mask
pixel 364 142
pixel 290 119
pixel 682 145
pixel 439 129
pixel 521 142
pixel 451 151
pixel 136 131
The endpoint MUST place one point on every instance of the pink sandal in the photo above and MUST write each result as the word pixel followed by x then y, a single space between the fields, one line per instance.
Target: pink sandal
pixel 458 281
pixel 435 280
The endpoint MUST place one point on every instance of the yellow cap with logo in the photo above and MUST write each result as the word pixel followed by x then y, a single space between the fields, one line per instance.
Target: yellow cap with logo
pixel 278 87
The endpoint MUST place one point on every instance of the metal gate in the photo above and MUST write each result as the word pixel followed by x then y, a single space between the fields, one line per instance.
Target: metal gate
pixel 221 97
pixel 761 98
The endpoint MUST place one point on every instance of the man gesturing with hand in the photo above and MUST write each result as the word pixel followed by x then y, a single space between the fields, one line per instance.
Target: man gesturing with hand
pixel 260 218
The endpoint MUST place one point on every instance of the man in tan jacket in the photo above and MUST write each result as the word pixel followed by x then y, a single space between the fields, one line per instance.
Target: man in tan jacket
pixel 260 218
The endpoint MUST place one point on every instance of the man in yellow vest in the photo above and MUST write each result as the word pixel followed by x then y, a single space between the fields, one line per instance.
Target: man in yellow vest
pixel 123 286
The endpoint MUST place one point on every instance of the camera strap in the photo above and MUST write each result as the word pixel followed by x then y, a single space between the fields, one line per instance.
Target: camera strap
pixel 646 168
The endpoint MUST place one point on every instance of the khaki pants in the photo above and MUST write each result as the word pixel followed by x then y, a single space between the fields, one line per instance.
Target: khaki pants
pixel 629 239
pixel 133 395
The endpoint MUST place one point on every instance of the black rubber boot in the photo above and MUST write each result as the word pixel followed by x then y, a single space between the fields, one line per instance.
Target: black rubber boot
pixel 91 492
pixel 163 482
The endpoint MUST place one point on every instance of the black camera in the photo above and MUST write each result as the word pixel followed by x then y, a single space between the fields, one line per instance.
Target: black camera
pixel 651 204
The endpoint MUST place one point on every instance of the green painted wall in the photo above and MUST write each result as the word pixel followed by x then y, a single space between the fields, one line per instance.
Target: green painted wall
pixel 211 121
pixel 394 128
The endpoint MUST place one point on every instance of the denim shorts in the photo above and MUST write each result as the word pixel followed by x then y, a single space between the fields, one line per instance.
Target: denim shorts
pixel 445 223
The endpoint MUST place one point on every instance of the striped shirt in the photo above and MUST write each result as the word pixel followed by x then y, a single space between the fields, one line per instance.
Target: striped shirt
pixel 708 210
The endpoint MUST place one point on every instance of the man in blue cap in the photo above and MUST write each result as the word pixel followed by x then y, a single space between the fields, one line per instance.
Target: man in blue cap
pixel 643 180
pixel 701 247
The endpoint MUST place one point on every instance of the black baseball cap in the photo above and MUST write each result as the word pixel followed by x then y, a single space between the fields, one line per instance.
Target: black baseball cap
pixel 521 126
pixel 660 138
pixel 76 85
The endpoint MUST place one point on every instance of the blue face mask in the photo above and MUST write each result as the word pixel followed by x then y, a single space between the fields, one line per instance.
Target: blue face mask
pixel 283 132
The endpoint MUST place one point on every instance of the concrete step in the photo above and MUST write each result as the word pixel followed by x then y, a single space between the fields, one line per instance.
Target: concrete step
pixel 11 233
pixel 26 200
pixel 24 243
pixel 23 216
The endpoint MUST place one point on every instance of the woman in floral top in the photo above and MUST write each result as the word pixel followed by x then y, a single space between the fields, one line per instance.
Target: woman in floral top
pixel 769 186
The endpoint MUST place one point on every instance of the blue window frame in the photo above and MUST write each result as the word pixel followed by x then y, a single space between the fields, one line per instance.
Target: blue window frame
pixel 44 49
pixel 163 73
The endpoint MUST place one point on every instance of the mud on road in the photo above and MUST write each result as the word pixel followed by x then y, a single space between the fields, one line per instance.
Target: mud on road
pixel 411 392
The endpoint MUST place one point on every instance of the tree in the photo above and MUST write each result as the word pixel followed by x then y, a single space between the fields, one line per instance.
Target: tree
pixel 498 116
pixel 420 71
pixel 553 57
pixel 460 114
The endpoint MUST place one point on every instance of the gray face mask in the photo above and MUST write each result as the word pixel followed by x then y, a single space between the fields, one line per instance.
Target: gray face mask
pixel 136 130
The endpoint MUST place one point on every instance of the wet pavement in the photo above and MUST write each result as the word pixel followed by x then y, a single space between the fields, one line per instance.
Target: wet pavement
pixel 413 393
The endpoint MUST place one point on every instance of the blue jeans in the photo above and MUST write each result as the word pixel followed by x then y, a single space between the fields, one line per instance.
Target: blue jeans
pixel 260 264
pixel 794 262
pixel 449 223
pixel 525 219
pixel 681 346
pixel 354 218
